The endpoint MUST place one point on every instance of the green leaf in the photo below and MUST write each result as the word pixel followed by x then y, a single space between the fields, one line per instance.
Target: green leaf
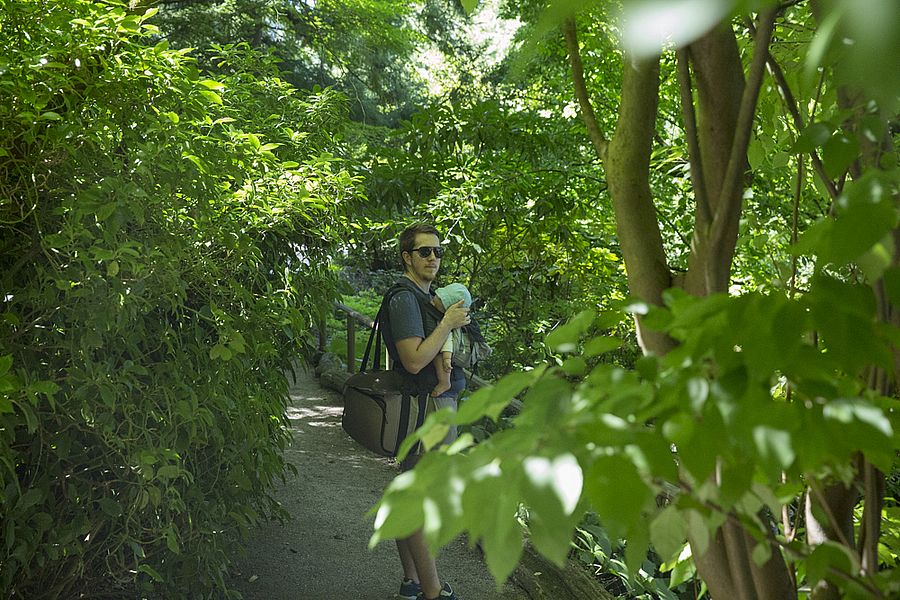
pixel 857 228
pixel 775 449
pixel 30 498
pixel 48 388
pixel 5 364
pixel 469 6
pixel 212 85
pixel 172 541
pixel 564 338
pixel 617 493
pixel 636 547
pixel 574 366
pixel 561 475
pixel 761 554
pixel 552 491
pixel 169 472
pixel 878 258
pixel 491 401
pixel 814 136
pixel 211 96
pixel 668 532
pixel 110 507
pixel 839 153
pixel 400 511
pixel 827 556
pixel 599 345
pixel 847 410
pixel 151 572
pixel 683 570
pixel 490 503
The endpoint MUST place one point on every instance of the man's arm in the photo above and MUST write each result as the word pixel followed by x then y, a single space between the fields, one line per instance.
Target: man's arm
pixel 416 353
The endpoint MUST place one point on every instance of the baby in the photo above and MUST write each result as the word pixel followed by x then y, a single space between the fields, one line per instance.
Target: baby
pixel 444 297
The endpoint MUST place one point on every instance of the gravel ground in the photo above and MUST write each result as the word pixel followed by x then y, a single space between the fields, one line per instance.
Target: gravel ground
pixel 322 553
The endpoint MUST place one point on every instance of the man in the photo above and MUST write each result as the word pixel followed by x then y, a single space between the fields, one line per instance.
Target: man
pixel 415 338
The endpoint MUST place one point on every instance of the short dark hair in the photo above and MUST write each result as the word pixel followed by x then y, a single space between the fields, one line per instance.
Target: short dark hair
pixel 408 237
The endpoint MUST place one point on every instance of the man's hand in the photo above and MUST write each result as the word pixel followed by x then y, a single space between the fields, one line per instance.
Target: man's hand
pixel 456 316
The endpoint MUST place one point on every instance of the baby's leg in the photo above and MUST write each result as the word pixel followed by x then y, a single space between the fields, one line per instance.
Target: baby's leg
pixel 443 376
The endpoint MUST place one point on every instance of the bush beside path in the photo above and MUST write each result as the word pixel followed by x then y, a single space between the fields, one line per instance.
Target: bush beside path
pixel 322 553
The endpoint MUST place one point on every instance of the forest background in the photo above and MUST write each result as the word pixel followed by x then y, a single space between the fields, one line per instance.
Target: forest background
pixel 680 218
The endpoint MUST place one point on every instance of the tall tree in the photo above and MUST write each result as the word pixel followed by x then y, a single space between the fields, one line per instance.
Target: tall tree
pixel 706 386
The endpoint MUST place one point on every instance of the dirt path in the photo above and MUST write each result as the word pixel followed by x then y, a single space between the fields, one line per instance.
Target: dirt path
pixel 322 553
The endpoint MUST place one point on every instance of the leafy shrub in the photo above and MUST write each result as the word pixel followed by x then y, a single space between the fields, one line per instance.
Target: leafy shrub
pixel 163 256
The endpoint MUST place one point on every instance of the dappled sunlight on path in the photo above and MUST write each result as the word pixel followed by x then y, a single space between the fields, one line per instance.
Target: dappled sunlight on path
pixel 322 553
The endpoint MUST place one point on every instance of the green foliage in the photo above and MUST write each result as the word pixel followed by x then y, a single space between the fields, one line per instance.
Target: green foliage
pixel 164 234
pixel 517 206
pixel 604 441
pixel 593 547
pixel 376 52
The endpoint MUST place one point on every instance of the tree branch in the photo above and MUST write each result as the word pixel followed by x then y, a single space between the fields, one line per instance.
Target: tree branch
pixel 791 102
pixel 701 194
pixel 730 200
pixel 598 140
pixel 628 176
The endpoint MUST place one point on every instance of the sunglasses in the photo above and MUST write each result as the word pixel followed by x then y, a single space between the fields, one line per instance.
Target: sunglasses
pixel 425 251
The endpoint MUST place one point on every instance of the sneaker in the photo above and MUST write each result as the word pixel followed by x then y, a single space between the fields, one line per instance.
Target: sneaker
pixel 446 594
pixel 409 590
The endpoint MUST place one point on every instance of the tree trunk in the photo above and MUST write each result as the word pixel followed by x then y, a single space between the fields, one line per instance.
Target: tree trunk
pixel 722 133
pixel 720 86
pixel 628 176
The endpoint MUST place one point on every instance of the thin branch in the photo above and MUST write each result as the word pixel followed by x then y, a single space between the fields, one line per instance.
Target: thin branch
pixel 795 218
pixel 793 108
pixel 598 140
pixel 729 208
pixel 690 131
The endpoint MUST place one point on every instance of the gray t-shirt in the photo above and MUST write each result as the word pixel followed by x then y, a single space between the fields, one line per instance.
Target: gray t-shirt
pixel 406 322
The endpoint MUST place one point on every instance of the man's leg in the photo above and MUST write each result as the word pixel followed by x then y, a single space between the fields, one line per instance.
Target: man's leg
pixel 424 563
pixel 406 560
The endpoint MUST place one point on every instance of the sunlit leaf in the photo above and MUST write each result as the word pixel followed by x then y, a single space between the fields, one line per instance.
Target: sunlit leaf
pixel 651 25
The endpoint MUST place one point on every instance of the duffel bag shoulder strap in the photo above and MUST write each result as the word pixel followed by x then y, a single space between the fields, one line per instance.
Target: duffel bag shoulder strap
pixel 380 326
pixel 407 425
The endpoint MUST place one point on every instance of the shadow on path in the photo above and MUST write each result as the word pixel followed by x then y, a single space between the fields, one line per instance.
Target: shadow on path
pixel 322 553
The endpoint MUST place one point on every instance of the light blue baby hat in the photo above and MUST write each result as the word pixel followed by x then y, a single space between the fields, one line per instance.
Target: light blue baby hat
pixel 453 293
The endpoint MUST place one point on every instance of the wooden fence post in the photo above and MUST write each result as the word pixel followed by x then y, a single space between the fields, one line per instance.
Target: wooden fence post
pixel 351 343
pixel 323 336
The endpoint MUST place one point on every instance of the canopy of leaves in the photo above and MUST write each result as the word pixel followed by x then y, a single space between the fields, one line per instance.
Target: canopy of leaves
pixel 165 235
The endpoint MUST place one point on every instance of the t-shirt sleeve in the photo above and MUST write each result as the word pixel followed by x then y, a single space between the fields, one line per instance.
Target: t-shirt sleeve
pixel 405 317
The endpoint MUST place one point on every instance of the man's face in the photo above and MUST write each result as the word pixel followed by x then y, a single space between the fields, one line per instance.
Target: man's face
pixel 423 269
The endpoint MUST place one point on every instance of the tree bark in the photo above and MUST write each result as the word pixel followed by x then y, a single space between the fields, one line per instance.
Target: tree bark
pixel 628 177
pixel 719 82
pixel 718 155
pixel 598 140
pixel 836 502
pixel 626 159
